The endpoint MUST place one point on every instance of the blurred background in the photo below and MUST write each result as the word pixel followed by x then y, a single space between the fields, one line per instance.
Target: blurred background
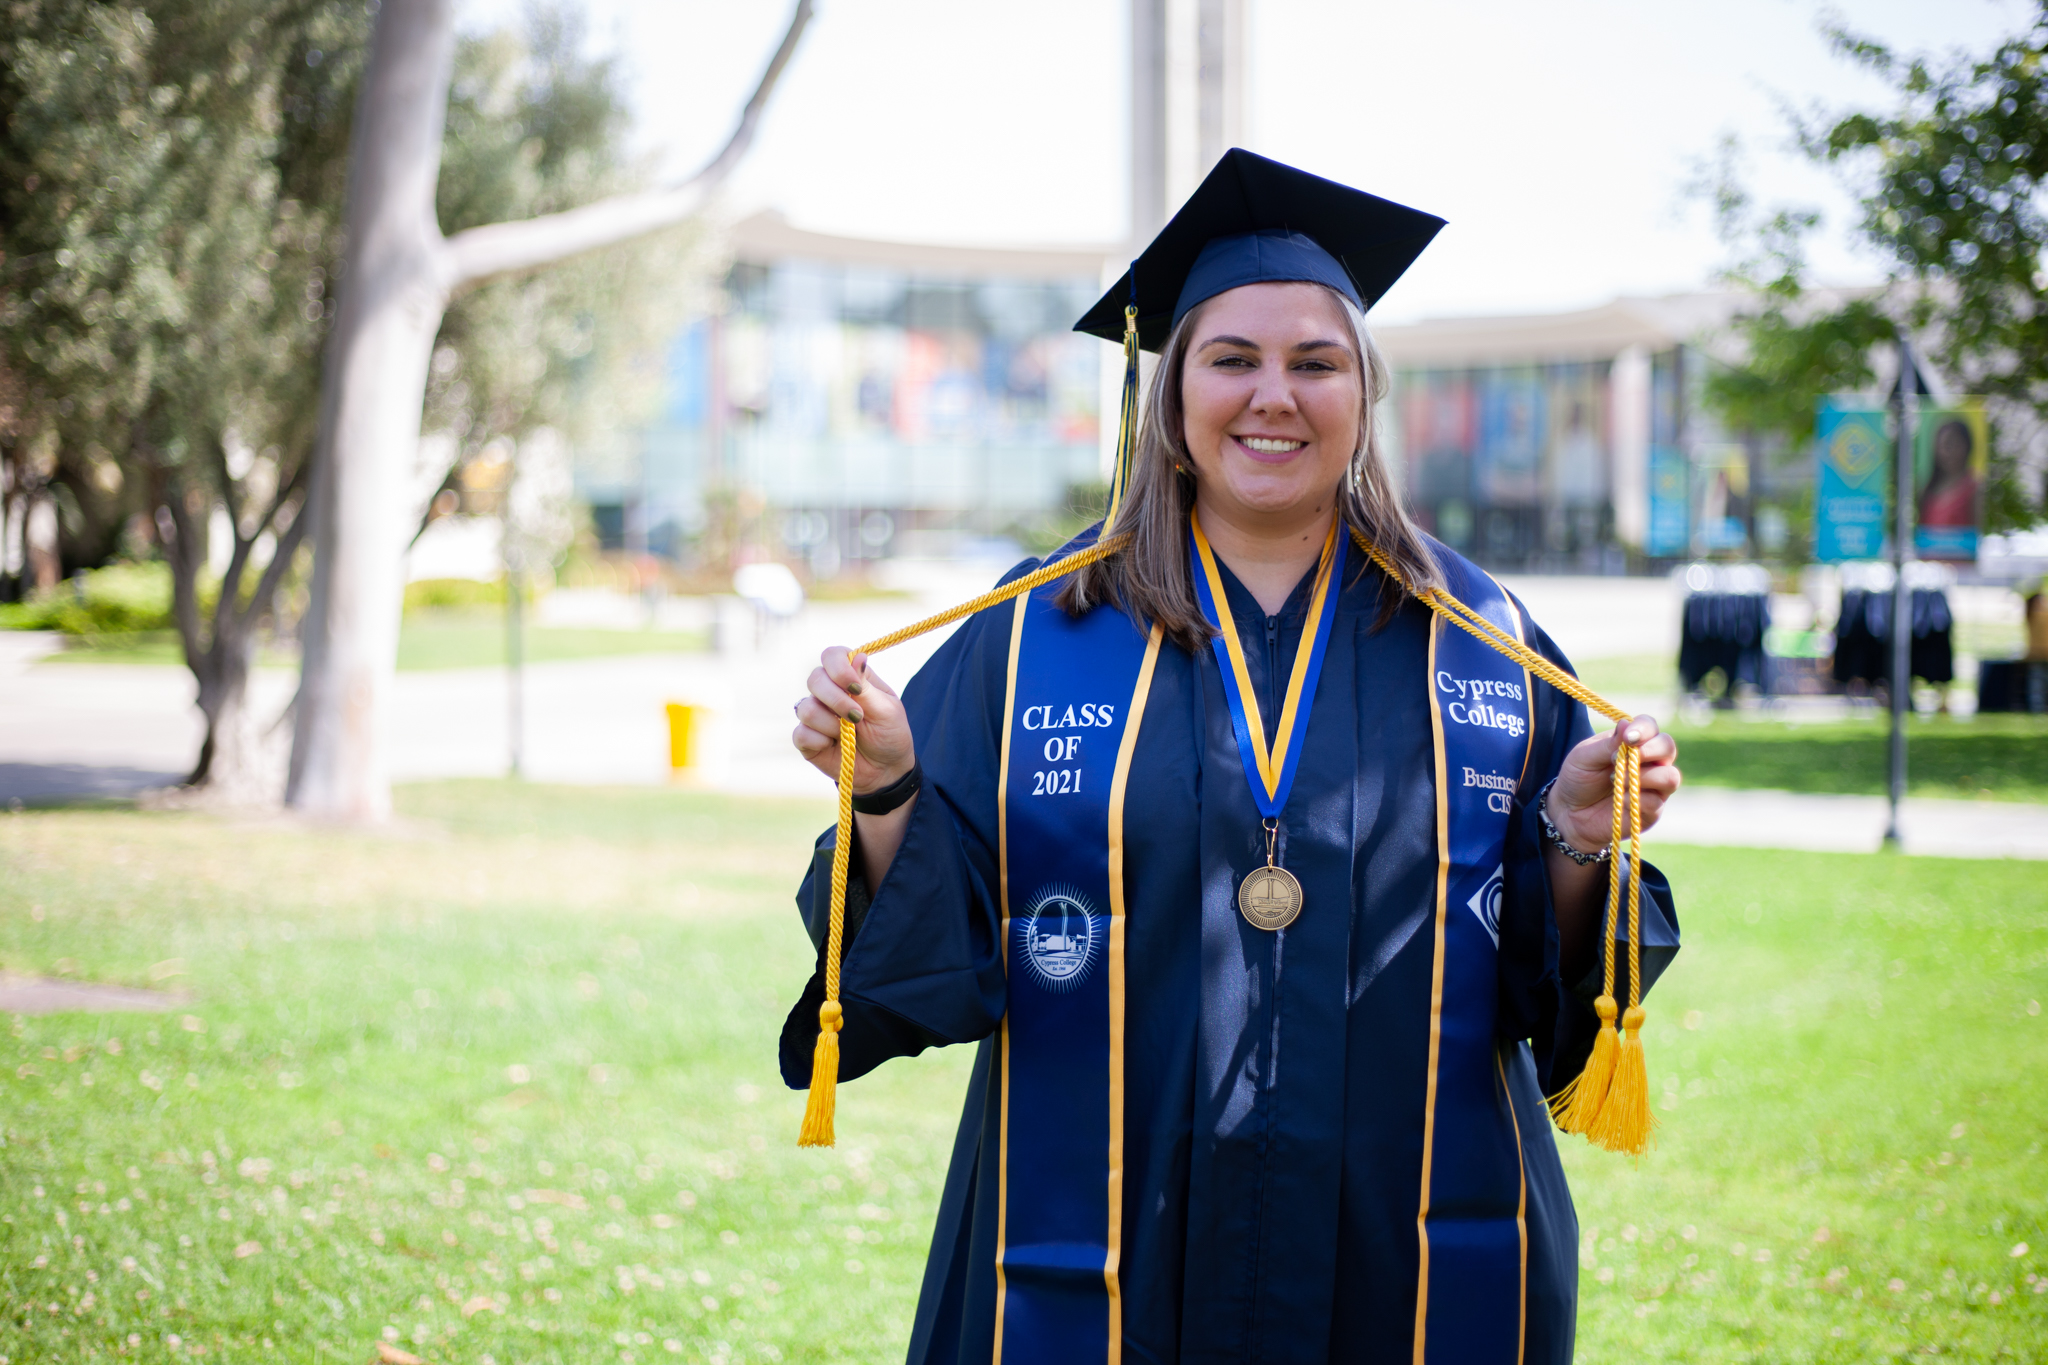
pixel 855 372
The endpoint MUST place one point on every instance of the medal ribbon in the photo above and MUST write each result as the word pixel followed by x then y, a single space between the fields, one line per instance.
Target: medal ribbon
pixel 1270 772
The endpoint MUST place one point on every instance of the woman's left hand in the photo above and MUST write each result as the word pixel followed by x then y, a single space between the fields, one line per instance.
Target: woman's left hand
pixel 1582 801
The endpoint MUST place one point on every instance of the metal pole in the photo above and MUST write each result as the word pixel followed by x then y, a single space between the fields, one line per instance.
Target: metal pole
pixel 515 663
pixel 1902 596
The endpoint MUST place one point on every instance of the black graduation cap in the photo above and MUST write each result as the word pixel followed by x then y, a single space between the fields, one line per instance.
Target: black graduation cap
pixel 1253 221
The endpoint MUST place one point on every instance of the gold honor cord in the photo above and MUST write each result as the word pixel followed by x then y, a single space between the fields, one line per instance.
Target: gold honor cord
pixel 1609 1103
pixel 818 1110
pixel 817 1129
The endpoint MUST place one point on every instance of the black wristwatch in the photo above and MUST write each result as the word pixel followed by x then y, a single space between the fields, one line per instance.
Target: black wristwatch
pixel 885 799
pixel 1550 832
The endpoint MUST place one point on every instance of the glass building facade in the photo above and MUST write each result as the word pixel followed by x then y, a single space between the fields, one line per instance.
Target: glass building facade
pixel 859 409
pixel 1511 464
pixel 856 400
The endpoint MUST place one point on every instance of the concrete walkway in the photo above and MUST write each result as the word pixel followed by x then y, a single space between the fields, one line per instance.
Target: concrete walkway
pixel 1852 824
pixel 75 730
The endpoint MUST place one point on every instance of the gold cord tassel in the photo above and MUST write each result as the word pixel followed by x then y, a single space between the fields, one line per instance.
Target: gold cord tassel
pixel 1578 1104
pixel 818 1109
pixel 1616 1078
pixel 1626 1122
pixel 1127 423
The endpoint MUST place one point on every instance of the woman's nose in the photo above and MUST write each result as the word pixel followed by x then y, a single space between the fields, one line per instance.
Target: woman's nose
pixel 1273 395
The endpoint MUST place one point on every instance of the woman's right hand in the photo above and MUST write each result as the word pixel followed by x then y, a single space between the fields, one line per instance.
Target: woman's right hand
pixel 843 685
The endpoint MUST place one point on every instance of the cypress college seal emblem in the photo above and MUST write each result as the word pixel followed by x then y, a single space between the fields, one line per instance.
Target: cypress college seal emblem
pixel 1060 936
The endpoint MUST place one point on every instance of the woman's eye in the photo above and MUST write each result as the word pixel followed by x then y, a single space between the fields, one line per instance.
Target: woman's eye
pixel 1237 362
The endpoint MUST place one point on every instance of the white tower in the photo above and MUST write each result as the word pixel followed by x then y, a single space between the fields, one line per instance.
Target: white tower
pixel 1187 100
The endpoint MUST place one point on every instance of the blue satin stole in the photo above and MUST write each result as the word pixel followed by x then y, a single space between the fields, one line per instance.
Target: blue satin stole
pixel 1473 1258
pixel 1076 695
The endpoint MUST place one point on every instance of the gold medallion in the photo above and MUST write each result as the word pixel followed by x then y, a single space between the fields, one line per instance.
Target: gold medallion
pixel 1270 898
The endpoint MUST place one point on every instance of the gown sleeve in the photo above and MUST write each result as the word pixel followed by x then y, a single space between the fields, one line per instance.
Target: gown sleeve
pixel 922 964
pixel 1537 1003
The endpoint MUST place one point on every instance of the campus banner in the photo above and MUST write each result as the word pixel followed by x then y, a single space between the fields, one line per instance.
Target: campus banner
pixel 1950 457
pixel 1670 530
pixel 1721 473
pixel 1512 425
pixel 1853 494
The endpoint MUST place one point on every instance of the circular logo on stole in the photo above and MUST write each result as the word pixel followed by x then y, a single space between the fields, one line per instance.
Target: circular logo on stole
pixel 1059 938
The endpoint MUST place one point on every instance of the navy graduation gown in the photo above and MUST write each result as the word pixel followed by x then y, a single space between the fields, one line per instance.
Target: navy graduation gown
pixel 1273 1084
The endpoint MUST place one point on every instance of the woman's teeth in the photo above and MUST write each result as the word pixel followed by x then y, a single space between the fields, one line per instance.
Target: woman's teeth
pixel 1266 447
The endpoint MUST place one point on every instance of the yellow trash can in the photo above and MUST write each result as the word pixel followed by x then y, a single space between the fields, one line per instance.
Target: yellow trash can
pixel 685 737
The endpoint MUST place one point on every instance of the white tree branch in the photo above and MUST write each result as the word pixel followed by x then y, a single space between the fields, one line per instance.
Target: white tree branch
pixel 484 253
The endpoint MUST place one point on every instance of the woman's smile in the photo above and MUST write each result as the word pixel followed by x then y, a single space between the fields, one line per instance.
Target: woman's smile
pixel 1269 449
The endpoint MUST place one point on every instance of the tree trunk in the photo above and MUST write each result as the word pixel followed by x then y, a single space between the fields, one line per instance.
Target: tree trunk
pixel 398 275
pixel 242 759
pixel 39 533
pixel 377 357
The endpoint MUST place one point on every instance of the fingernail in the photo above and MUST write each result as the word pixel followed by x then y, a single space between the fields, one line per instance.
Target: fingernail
pixel 853 689
pixel 857 716
pixel 1633 736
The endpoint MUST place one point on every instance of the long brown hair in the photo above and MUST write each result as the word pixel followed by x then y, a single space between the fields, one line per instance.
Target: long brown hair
pixel 1151 578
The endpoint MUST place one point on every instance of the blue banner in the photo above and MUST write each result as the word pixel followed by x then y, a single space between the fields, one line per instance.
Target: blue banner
pixel 1852 497
pixel 1670 529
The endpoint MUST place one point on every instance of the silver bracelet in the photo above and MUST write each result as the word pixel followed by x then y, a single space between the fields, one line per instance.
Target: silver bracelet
pixel 1557 840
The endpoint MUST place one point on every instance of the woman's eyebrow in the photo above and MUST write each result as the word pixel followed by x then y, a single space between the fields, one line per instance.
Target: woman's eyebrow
pixel 1246 342
pixel 1320 345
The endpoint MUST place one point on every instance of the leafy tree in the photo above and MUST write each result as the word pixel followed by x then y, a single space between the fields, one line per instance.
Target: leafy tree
pixel 1948 184
pixel 401 275
pixel 172 176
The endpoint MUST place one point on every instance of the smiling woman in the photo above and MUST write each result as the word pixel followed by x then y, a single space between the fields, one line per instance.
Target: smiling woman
pixel 1291 367
pixel 1267 1025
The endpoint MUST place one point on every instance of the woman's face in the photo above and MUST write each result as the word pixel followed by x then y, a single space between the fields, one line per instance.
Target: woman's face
pixel 1952 449
pixel 1271 398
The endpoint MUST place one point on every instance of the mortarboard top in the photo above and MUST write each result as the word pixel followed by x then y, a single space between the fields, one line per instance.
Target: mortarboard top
pixel 1254 220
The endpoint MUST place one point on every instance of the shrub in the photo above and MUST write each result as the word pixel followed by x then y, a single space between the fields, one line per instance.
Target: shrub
pixel 453 592
pixel 119 599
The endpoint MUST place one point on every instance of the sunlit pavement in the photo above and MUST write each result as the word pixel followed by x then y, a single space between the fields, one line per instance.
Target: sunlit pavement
pixel 69 730
pixel 1853 824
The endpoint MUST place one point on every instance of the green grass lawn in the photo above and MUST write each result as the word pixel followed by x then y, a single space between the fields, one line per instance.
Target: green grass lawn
pixel 457 638
pixel 1634 674
pixel 1995 757
pixel 1991 757
pixel 435 638
pixel 499 1083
